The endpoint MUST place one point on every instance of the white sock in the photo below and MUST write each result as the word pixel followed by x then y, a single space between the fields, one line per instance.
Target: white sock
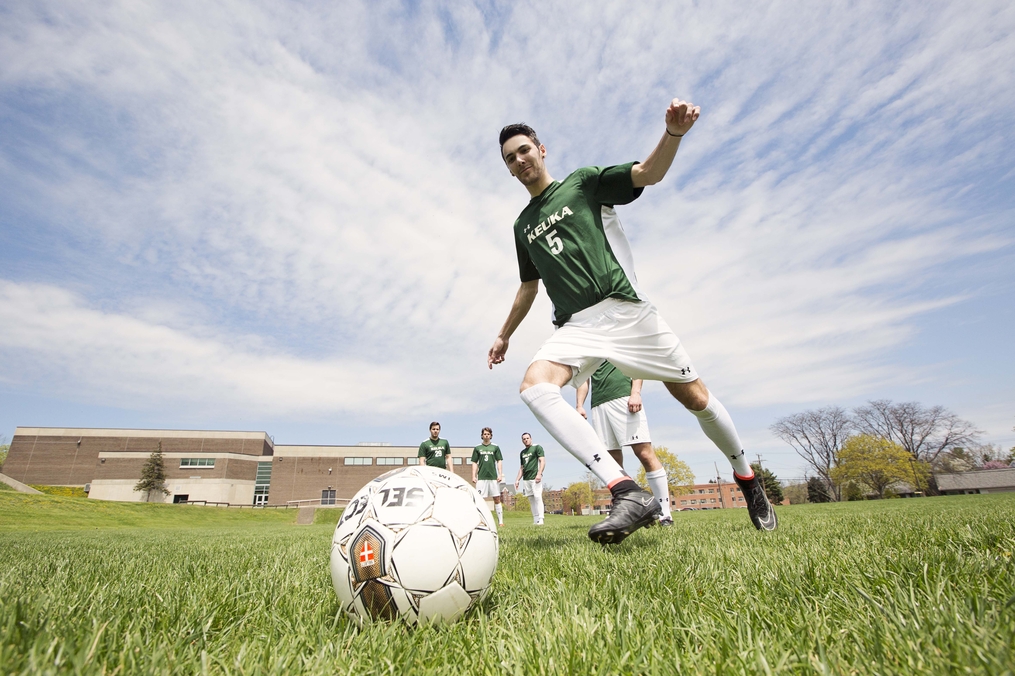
pixel 718 426
pixel 499 508
pixel 571 431
pixel 661 489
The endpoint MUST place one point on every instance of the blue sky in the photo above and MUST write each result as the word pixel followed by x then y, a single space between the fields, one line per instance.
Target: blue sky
pixel 294 218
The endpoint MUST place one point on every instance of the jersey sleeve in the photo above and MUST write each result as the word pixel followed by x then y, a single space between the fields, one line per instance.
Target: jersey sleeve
pixel 475 454
pixel 539 452
pixel 422 451
pixel 613 185
pixel 497 455
pixel 526 268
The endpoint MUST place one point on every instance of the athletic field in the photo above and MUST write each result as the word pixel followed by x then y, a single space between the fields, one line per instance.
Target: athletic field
pixel 895 586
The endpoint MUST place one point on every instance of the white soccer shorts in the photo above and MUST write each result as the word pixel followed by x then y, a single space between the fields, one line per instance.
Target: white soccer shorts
pixel 531 487
pixel 630 334
pixel 488 488
pixel 617 427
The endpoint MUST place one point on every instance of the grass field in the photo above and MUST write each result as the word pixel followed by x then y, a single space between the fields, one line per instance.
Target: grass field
pixel 898 586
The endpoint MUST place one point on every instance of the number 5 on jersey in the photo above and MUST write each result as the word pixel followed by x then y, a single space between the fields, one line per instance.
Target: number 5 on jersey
pixel 555 243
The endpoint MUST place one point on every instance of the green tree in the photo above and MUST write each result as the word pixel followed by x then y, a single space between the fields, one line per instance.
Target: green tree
pixel 875 463
pixel 576 496
pixel 153 475
pixel 770 482
pixel 796 493
pixel 4 448
pixel 521 503
pixel 817 491
pixel 678 473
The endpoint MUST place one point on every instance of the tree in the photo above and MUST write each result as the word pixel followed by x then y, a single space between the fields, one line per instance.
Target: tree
pixel 4 449
pixel 678 473
pixel 817 490
pixel 576 496
pixel 521 503
pixel 796 493
pixel 923 432
pixel 817 436
pixel 153 475
pixel 876 463
pixel 773 489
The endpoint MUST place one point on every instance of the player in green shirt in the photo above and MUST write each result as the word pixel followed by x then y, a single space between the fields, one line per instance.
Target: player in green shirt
pixel 530 476
pixel 488 471
pixel 569 236
pixel 619 420
pixel 437 451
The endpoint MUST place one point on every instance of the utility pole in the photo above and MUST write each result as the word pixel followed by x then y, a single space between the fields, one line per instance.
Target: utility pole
pixel 718 482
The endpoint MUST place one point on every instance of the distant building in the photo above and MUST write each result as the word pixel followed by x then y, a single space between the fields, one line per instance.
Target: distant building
pixel 978 481
pixel 236 468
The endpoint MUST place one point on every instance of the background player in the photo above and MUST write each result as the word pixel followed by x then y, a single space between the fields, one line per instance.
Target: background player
pixel 619 420
pixel 488 471
pixel 530 476
pixel 437 451
pixel 570 237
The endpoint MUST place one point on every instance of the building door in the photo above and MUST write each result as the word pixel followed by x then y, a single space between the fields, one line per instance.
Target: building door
pixel 180 499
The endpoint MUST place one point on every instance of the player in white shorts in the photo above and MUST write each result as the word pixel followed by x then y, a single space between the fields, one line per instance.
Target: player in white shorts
pixel 619 420
pixel 569 236
pixel 488 471
pixel 532 462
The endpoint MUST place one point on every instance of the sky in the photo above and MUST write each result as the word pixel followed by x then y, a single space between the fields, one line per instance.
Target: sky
pixel 293 217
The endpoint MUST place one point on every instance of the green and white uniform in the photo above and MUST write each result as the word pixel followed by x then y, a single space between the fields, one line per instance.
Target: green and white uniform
pixel 485 456
pixel 530 487
pixel 436 453
pixel 613 422
pixel 570 237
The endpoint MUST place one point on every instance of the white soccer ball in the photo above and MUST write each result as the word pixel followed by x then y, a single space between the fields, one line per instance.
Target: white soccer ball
pixel 417 543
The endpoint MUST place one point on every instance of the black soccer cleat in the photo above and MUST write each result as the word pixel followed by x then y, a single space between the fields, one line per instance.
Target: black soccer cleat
pixel 631 511
pixel 761 510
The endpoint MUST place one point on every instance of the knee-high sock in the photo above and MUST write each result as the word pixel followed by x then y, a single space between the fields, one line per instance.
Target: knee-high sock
pixel 660 488
pixel 534 508
pixel 718 426
pixel 499 508
pixel 537 494
pixel 571 431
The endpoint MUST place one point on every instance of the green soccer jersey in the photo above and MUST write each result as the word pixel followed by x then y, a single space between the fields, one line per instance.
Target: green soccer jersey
pixel 530 461
pixel 608 383
pixel 436 453
pixel 570 237
pixel 486 456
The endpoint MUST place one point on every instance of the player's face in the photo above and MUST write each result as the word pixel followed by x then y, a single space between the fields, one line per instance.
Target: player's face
pixel 524 159
pixel 487 436
pixel 527 440
pixel 435 431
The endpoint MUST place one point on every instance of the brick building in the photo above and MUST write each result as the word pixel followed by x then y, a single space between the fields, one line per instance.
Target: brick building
pixel 237 468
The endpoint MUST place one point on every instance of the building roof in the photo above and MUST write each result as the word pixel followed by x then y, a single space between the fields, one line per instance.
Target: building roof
pixel 136 434
pixel 984 478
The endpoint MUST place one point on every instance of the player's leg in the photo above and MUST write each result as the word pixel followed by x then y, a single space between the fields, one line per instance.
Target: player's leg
pixel 633 508
pixel 537 500
pixel 497 507
pixel 618 456
pixel 657 479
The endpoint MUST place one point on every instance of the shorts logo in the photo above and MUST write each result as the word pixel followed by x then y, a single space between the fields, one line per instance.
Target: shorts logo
pixel 685 371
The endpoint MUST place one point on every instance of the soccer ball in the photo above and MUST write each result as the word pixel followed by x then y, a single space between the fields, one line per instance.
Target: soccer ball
pixel 417 543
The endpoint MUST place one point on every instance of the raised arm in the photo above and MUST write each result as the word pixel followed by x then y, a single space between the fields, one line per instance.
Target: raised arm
pixel 680 117
pixel 523 302
pixel 579 400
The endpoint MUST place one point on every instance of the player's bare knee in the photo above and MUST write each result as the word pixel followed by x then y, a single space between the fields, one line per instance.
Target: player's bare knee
pixel 693 395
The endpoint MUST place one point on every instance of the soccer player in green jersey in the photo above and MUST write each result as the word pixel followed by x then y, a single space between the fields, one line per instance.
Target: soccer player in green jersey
pixel 437 451
pixel 569 236
pixel 488 471
pixel 530 476
pixel 619 420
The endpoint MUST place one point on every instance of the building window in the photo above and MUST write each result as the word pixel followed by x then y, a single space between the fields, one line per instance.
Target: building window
pixel 328 496
pixel 456 461
pixel 711 490
pixel 712 500
pixel 197 462
pixel 358 461
pixel 412 461
pixel 694 502
pixel 389 461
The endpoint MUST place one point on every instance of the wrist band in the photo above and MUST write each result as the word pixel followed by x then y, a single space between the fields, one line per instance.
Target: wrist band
pixel 674 135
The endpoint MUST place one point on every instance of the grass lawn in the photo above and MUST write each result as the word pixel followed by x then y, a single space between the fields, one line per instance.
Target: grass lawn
pixel 897 586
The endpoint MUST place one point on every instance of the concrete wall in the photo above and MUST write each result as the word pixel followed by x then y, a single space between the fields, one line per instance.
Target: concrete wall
pixel 210 490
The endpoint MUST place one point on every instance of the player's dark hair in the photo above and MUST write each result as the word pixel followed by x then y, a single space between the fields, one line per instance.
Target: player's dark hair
pixel 520 129
pixel 524 433
pixel 434 423
pixel 486 429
